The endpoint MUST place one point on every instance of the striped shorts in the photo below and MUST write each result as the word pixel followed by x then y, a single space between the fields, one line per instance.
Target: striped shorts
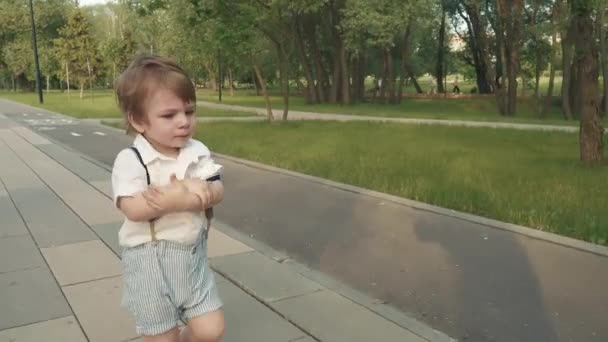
pixel 165 282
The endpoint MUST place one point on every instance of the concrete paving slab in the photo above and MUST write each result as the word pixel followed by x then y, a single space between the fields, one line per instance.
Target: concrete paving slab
pixel 249 320
pixel 109 234
pixel 75 163
pixel 221 244
pixel 318 313
pixel 18 253
pixel 97 306
pixel 50 221
pixel 93 206
pixel 12 224
pixel 264 277
pixel 86 201
pixel 65 329
pixel 82 261
pixel 18 175
pixel 30 296
pixel 105 186
pixel 30 136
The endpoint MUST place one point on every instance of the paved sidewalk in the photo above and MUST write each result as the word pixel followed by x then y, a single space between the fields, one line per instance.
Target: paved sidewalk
pixel 60 274
pixel 299 115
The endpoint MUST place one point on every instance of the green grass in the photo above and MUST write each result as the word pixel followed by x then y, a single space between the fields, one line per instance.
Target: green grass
pixel 101 105
pixel 475 109
pixel 528 178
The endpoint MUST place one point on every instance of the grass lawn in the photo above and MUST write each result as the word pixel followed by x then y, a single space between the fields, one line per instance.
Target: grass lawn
pixel 476 109
pixel 101 105
pixel 528 178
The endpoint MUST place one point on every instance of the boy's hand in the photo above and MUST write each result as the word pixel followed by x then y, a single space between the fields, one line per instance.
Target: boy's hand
pixel 174 197
pixel 202 189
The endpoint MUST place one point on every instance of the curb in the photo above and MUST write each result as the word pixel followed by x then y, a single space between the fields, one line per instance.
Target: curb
pixel 514 228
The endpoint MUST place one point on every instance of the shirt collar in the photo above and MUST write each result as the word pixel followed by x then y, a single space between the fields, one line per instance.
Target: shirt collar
pixel 190 153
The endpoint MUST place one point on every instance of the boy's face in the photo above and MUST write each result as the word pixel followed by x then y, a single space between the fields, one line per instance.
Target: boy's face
pixel 169 122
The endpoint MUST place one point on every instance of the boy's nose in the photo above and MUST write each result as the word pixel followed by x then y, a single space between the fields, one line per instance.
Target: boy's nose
pixel 183 119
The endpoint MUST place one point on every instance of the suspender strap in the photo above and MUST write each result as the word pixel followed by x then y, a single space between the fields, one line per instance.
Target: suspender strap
pixel 141 161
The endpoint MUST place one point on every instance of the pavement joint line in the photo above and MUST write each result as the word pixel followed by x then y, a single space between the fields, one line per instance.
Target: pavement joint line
pixel 42 256
pixel 56 194
pixel 300 294
pixel 266 304
pixel 91 280
pixel 37 322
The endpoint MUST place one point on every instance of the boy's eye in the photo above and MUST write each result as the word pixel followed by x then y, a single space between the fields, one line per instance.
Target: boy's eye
pixel 167 116
pixel 190 112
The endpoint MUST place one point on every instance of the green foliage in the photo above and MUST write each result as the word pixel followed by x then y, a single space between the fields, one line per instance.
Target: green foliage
pixel 77 48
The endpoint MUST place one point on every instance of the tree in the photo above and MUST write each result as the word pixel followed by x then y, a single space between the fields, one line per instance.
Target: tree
pixel 475 17
pixel 510 13
pixel 586 65
pixel 78 49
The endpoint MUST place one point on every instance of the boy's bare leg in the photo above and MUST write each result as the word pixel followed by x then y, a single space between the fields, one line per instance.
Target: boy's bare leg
pixel 170 336
pixel 205 328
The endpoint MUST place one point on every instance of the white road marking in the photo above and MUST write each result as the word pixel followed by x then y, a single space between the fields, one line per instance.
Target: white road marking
pixel 75 134
pixel 99 133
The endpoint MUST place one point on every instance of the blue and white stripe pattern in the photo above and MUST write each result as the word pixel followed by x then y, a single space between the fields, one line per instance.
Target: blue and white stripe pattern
pixel 165 282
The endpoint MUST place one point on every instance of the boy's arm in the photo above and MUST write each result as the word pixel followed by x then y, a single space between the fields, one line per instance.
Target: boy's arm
pixel 210 193
pixel 137 209
pixel 171 198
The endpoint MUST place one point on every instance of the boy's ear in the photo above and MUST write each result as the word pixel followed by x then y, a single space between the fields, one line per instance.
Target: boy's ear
pixel 136 124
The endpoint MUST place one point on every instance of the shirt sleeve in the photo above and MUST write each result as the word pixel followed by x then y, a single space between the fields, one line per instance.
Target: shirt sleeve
pixel 128 176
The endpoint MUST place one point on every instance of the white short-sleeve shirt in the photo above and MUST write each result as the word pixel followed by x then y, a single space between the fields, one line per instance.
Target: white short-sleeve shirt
pixel 129 178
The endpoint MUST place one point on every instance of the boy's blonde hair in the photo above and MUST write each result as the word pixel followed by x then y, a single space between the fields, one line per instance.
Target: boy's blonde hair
pixel 145 74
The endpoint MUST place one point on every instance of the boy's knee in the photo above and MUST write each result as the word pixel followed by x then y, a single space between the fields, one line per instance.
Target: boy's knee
pixel 207 328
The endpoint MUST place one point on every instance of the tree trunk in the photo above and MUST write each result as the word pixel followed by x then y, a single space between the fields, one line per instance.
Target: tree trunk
pixel 321 73
pixel 284 80
pixel 441 53
pixel 604 58
pixel 358 79
pixel 416 84
pixel 345 77
pixel 81 90
pixel 385 76
pixel 230 82
pixel 512 47
pixel 48 83
pixel 256 84
pixel 67 77
pixel 258 74
pixel 549 99
pixel 335 80
pixel 501 65
pixel 90 78
pixel 586 62
pixel 408 71
pixel 478 44
pixel 567 56
pixel 311 93
pixel 390 78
